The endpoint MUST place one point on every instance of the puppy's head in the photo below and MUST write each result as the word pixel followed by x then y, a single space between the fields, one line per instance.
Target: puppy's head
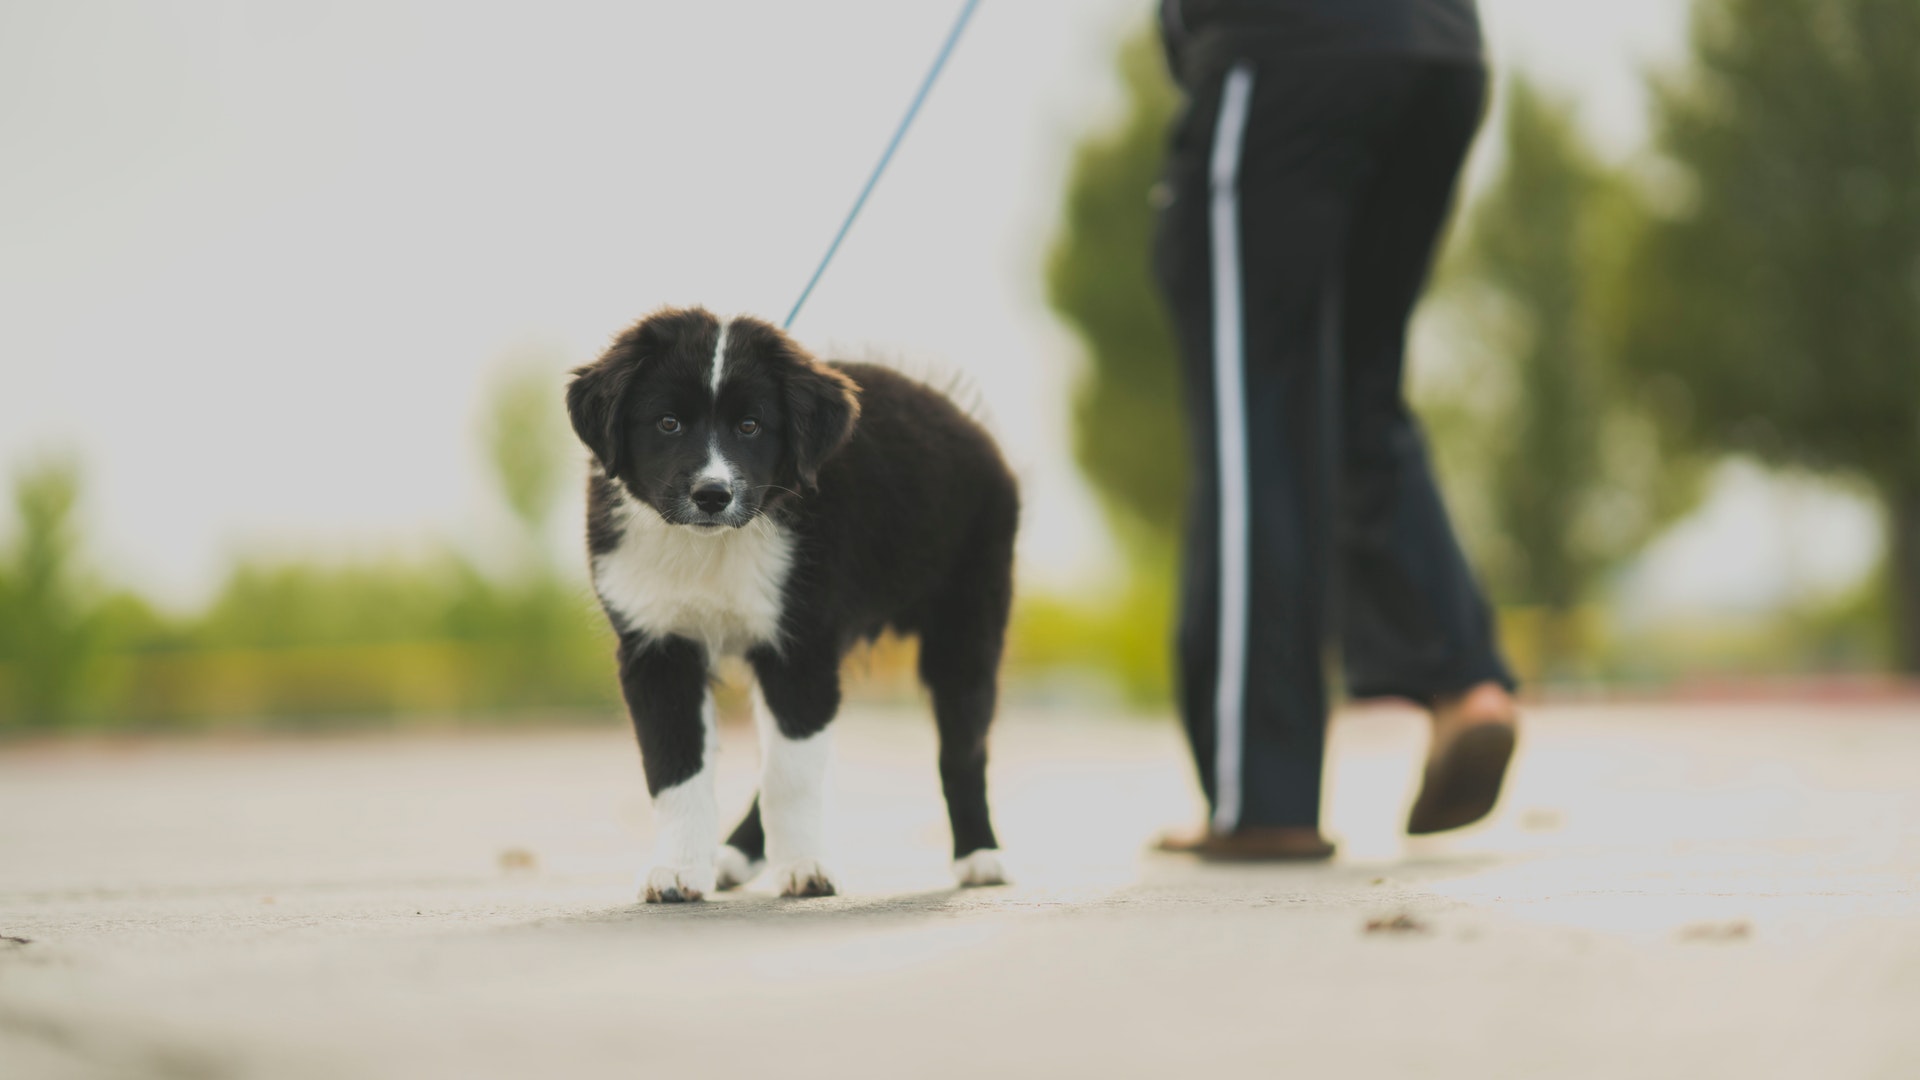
pixel 709 420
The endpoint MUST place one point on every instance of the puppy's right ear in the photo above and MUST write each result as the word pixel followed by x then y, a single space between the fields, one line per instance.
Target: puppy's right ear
pixel 595 396
pixel 593 404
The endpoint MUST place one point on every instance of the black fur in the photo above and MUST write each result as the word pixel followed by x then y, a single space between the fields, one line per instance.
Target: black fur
pixel 664 680
pixel 901 511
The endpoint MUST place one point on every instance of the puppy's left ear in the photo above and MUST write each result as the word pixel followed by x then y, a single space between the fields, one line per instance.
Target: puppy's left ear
pixel 822 407
pixel 593 401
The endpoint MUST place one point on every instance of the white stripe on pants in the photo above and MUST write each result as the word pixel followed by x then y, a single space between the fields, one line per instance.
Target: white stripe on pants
pixel 1230 422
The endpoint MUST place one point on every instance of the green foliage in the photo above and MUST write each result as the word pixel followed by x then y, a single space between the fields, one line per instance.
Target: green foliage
pixel 298 640
pixel 267 605
pixel 1127 418
pixel 1122 642
pixel 526 442
pixel 1126 410
pixel 49 627
pixel 305 642
pixel 1571 471
pixel 1781 289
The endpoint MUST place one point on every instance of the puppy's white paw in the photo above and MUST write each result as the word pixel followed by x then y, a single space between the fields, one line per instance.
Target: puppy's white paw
pixel 677 884
pixel 805 877
pixel 979 868
pixel 732 868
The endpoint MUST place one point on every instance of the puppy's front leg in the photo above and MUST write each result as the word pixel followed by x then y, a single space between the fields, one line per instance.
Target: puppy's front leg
pixel 797 697
pixel 665 683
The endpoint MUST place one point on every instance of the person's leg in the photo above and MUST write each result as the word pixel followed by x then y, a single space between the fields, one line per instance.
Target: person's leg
pixel 1413 621
pixel 1249 251
pixel 1414 624
pixel 1183 270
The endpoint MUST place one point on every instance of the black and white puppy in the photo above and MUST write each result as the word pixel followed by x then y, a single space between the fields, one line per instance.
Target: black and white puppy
pixel 746 499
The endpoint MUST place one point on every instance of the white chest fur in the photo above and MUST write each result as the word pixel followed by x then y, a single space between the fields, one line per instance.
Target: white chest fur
pixel 722 588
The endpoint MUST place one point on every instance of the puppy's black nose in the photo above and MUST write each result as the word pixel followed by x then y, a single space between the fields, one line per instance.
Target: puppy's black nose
pixel 712 498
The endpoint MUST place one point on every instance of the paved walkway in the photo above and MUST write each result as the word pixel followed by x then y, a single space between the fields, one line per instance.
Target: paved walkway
pixel 1684 893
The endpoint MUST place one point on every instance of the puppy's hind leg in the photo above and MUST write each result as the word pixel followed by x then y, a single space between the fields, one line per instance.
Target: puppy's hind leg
pixel 962 635
pixel 960 647
pixel 744 853
pixel 797 697
pixel 963 702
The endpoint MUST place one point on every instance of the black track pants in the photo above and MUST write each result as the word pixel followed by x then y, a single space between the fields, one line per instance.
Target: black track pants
pixel 1306 196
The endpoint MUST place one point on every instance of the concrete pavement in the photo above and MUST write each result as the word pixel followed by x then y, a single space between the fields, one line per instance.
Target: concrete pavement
pixel 1664 892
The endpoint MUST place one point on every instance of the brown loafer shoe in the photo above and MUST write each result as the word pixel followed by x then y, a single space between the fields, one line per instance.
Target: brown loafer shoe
pixel 1473 741
pixel 1253 843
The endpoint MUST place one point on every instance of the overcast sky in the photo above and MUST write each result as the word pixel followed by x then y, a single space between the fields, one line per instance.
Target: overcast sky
pixel 257 260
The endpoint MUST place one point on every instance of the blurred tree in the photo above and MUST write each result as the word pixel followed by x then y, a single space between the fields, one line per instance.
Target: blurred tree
pixel 1782 285
pixel 533 452
pixel 1571 475
pixel 49 626
pixel 527 444
pixel 1099 282
pixel 1571 480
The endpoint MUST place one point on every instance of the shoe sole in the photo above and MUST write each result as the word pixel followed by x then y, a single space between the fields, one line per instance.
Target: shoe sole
pixel 1218 855
pixel 1463 786
pixel 1214 850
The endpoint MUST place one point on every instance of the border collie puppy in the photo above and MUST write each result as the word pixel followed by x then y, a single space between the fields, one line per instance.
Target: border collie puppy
pixel 746 499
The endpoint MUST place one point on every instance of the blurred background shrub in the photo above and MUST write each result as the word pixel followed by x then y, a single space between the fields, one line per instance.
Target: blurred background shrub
pixel 290 642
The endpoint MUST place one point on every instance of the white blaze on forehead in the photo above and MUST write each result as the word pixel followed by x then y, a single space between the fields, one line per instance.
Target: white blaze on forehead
pixel 720 357
pixel 717 469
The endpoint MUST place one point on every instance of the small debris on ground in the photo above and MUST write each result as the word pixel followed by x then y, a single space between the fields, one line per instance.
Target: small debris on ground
pixel 1541 819
pixel 1379 881
pixel 1401 923
pixel 1731 930
pixel 9 939
pixel 518 861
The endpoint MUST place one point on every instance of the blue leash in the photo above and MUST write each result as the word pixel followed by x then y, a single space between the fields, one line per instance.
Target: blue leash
pixel 939 61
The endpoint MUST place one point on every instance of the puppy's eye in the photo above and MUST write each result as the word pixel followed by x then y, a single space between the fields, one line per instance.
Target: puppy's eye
pixel 670 425
pixel 749 426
